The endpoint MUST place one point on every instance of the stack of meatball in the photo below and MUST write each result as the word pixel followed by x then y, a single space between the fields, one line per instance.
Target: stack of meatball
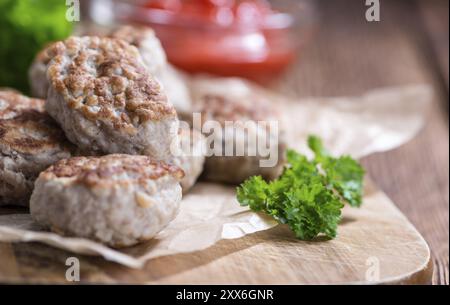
pixel 100 154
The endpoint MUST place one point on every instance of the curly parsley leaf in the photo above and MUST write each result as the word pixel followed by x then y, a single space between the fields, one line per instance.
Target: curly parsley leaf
pixel 344 174
pixel 299 198
pixel 309 195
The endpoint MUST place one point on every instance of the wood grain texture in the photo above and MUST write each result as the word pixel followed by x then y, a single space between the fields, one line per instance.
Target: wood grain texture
pixel 346 56
pixel 349 56
pixel 375 237
pixel 435 15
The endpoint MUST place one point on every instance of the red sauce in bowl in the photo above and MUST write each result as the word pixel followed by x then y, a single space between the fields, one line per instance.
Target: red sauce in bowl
pixel 226 37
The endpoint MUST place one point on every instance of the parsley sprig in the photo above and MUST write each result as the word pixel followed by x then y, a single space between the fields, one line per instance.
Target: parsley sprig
pixel 310 194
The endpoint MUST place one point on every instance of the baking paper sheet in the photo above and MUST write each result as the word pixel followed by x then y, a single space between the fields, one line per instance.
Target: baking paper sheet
pixel 379 120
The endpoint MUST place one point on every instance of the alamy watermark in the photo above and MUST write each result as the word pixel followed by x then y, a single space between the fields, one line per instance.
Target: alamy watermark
pixel 73 270
pixel 373 269
pixel 73 10
pixel 233 139
pixel 373 12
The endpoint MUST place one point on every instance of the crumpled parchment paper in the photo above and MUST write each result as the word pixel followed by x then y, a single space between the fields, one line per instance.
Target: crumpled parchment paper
pixel 379 120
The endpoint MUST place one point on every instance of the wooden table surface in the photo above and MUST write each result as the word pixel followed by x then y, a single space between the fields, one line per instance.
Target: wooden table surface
pixel 348 55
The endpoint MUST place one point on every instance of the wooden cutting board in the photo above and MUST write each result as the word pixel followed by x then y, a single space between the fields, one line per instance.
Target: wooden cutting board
pixel 376 244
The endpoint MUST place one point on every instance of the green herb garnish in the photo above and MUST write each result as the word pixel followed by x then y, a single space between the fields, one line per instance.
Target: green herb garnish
pixel 310 194
pixel 26 26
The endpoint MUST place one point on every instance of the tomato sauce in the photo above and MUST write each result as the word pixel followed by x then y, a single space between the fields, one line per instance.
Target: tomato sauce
pixel 226 37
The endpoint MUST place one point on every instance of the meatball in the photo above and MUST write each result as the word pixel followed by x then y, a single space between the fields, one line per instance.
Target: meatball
pixel 105 100
pixel 30 141
pixel 119 200
pixel 244 131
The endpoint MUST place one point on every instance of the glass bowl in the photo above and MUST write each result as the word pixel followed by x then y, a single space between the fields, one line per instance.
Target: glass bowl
pixel 247 43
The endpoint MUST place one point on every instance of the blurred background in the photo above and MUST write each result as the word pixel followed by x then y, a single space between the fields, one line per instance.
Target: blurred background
pixel 299 48
pixel 256 39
